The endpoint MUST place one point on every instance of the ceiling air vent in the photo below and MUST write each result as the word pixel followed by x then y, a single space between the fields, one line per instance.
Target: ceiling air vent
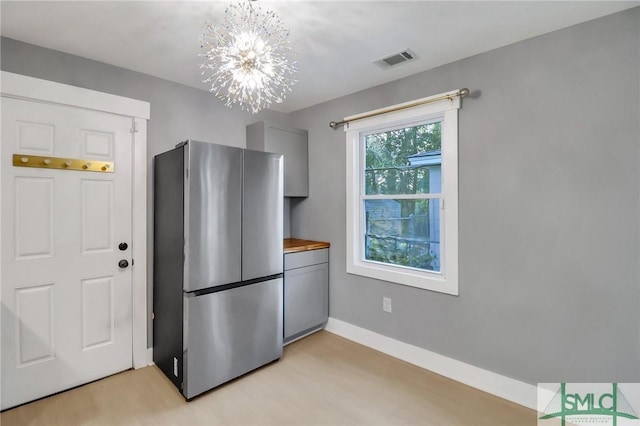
pixel 396 59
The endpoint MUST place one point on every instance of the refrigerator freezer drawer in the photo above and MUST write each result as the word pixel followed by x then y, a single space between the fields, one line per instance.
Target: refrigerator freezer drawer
pixel 230 333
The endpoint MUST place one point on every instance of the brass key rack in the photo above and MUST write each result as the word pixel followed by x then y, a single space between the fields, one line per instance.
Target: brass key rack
pixel 79 164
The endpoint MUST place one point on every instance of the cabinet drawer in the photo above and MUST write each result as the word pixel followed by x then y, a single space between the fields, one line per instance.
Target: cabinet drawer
pixel 305 258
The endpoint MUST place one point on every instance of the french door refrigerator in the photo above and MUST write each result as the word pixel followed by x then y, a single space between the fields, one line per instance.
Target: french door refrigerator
pixel 218 265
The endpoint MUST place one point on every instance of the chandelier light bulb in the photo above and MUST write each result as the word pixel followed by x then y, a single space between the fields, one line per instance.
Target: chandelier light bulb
pixel 247 58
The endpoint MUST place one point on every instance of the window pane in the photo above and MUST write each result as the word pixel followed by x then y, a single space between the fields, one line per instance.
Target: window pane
pixel 403 161
pixel 403 232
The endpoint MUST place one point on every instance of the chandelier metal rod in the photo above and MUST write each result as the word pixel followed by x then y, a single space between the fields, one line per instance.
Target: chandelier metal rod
pixel 462 93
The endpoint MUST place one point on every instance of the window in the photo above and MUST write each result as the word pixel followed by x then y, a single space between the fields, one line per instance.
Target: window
pixel 402 196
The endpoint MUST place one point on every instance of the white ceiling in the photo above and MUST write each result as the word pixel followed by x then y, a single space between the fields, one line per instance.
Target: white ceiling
pixel 336 41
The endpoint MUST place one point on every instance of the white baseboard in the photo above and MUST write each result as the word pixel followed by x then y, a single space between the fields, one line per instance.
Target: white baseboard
pixel 487 381
pixel 149 356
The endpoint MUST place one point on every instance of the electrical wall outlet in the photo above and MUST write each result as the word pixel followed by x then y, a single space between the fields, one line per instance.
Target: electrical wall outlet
pixel 386 304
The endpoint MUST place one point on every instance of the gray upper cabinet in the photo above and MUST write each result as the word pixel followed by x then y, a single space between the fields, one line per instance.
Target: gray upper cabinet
pixel 293 144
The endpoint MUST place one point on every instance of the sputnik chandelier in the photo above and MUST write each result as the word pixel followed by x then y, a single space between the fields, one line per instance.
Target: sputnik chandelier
pixel 247 57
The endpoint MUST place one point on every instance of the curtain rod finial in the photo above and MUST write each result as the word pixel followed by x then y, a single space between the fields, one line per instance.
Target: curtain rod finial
pixel 464 92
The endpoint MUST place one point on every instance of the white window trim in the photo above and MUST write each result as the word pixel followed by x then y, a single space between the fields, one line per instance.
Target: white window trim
pixel 447 280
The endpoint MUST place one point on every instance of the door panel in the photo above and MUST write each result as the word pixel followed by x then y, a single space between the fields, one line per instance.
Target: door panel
pixel 97 215
pixel 34 321
pixel 262 215
pixel 34 138
pixel 97 144
pixel 34 200
pixel 213 224
pixel 66 305
pixel 97 312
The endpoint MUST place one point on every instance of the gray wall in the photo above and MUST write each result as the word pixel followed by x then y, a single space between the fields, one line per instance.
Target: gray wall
pixel 549 197
pixel 549 209
pixel 177 112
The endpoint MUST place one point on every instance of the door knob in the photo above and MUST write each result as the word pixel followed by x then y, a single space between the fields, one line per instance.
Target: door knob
pixel 123 246
pixel 123 264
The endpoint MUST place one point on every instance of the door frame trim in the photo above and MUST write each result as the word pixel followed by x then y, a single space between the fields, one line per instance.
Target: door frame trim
pixel 38 90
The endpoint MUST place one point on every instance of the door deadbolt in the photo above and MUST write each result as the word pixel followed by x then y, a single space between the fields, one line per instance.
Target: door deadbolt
pixel 123 246
pixel 123 264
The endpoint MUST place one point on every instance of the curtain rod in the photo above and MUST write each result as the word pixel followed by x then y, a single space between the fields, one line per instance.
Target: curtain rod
pixel 460 93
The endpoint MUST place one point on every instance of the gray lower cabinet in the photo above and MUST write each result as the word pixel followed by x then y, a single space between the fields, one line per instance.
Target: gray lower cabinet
pixel 306 292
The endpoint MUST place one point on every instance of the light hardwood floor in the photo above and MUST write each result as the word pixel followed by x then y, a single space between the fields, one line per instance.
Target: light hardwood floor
pixel 321 380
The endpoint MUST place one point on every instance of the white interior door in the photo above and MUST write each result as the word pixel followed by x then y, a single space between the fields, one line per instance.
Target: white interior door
pixel 66 303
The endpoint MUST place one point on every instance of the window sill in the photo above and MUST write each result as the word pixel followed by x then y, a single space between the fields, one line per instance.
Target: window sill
pixel 398 275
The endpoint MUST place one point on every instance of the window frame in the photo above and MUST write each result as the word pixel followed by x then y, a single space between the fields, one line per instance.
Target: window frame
pixel 446 111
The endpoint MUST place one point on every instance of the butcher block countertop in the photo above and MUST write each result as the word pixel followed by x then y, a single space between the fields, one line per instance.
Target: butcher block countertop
pixel 294 245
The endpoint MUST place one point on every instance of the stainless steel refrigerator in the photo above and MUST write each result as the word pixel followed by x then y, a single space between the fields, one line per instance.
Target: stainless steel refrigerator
pixel 217 297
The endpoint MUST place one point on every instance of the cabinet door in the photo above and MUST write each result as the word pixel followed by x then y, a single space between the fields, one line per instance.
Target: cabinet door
pixel 294 145
pixel 306 299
